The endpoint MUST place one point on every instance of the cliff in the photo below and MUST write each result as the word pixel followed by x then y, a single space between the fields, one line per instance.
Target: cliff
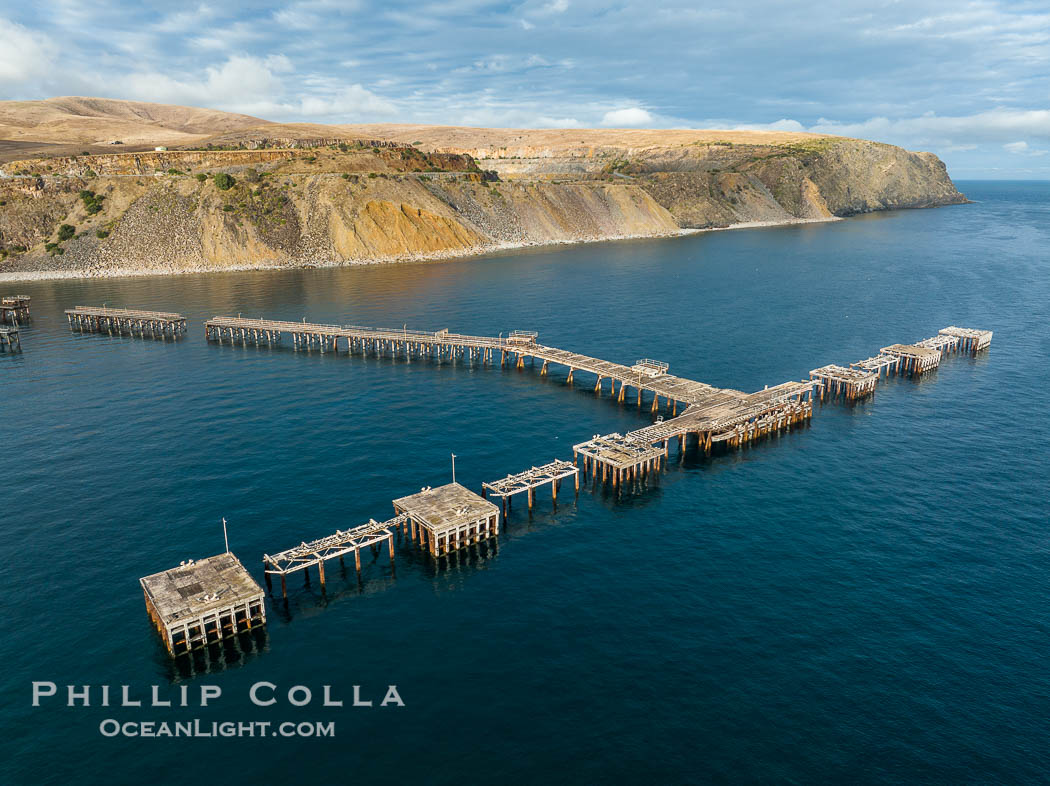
pixel 387 193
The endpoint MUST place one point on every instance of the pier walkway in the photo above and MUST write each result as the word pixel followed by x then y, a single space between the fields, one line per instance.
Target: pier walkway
pixel 709 414
pixel 99 319
pixel 646 375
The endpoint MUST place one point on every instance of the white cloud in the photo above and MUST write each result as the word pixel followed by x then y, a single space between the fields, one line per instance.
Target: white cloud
pixel 25 56
pixel 996 126
pixel 780 125
pixel 1016 147
pixel 255 86
pixel 351 103
pixel 184 21
pixel 627 118
pixel 279 64
pixel 556 7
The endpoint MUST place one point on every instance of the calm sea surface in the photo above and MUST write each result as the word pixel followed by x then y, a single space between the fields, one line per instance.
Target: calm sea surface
pixel 863 600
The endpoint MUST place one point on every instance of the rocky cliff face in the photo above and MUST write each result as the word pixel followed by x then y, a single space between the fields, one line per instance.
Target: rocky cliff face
pixel 151 212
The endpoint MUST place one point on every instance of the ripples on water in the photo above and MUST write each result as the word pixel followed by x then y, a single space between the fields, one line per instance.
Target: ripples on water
pixel 863 599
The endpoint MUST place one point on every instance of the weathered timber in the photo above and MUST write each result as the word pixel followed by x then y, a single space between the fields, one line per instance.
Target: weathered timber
pixel 10 339
pixel 915 359
pixel 529 480
pixel 203 601
pixel 646 375
pixel 970 339
pixel 342 542
pixel 126 320
pixel 618 458
pixel 851 383
pixel 448 518
pixel 14 309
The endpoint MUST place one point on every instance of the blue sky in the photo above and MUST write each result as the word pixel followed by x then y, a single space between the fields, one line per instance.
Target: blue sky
pixel 969 81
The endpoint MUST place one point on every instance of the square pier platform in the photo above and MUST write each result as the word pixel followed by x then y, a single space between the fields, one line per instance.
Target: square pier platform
pixel 914 359
pixel 203 601
pixel 449 518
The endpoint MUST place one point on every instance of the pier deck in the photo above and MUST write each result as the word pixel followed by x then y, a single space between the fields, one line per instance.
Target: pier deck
pixel 203 601
pixel 915 359
pixel 14 309
pixel 448 518
pixel 850 382
pixel 970 339
pixel 645 376
pixel 10 339
pixel 618 457
pixel 99 319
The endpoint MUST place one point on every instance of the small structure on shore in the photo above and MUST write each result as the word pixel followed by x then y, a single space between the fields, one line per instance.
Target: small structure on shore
pixel 448 518
pixel 202 602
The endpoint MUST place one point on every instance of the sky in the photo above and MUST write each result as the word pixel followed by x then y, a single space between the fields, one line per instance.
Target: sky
pixel 969 81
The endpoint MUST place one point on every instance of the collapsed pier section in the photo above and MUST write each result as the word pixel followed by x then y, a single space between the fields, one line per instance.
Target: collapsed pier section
pixel 528 481
pixel 316 552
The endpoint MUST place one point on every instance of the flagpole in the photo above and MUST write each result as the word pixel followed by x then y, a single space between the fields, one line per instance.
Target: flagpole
pixel 225 536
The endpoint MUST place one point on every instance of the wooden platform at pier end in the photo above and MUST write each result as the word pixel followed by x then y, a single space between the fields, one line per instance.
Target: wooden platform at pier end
pixel 100 319
pixel 851 383
pixel 448 518
pixel 10 339
pixel 970 339
pixel 528 481
pixel 203 601
pixel 618 457
pixel 306 555
pixel 914 358
pixel 14 309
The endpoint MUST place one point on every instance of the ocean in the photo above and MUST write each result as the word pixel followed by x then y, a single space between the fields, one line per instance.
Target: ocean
pixel 864 599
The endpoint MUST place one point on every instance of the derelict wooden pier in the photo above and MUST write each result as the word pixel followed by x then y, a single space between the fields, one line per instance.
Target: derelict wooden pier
pixel 317 552
pixel 14 309
pixel 202 602
pixel 10 339
pixel 646 378
pixel 448 518
pixel 528 481
pixel 99 319
pixel 860 379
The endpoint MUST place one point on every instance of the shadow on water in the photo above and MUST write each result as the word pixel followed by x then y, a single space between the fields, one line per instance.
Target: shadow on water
pixel 230 653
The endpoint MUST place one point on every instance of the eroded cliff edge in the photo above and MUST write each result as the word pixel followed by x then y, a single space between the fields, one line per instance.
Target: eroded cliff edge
pixel 333 200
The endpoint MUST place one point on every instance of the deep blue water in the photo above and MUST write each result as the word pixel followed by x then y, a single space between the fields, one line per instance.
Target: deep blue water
pixel 863 600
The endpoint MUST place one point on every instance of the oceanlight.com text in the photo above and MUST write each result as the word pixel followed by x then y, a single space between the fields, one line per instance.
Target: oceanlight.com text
pixel 197 728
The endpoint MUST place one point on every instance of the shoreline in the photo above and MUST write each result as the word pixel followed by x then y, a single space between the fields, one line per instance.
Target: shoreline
pixel 438 256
